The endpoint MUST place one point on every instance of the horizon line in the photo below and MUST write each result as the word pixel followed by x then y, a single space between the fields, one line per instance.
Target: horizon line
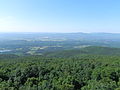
pixel 64 32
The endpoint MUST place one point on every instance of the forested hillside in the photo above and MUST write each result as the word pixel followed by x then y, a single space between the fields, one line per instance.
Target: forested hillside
pixel 83 72
pixel 90 50
pixel 60 62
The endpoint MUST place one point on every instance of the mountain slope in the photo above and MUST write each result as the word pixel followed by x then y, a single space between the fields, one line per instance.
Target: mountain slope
pixel 94 50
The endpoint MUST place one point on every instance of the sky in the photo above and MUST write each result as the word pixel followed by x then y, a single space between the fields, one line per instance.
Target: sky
pixel 60 16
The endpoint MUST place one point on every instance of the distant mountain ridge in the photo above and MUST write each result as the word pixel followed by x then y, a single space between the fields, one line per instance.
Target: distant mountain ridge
pixel 76 36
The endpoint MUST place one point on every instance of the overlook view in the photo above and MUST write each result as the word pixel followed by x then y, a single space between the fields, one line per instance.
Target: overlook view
pixel 59 45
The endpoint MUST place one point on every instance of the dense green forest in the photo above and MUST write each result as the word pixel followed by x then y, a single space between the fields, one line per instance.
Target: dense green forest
pixel 81 72
pixel 91 50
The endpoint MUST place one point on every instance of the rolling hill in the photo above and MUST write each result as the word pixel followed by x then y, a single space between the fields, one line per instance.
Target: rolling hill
pixel 91 50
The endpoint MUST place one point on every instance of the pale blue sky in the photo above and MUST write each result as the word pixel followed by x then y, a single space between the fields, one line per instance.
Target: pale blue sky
pixel 60 16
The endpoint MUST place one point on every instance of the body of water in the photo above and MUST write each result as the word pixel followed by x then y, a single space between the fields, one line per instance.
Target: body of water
pixel 1 51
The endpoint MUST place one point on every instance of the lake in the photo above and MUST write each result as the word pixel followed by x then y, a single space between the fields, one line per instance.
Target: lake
pixel 1 51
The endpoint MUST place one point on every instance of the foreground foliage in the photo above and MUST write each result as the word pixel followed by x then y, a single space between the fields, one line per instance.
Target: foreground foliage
pixel 83 72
